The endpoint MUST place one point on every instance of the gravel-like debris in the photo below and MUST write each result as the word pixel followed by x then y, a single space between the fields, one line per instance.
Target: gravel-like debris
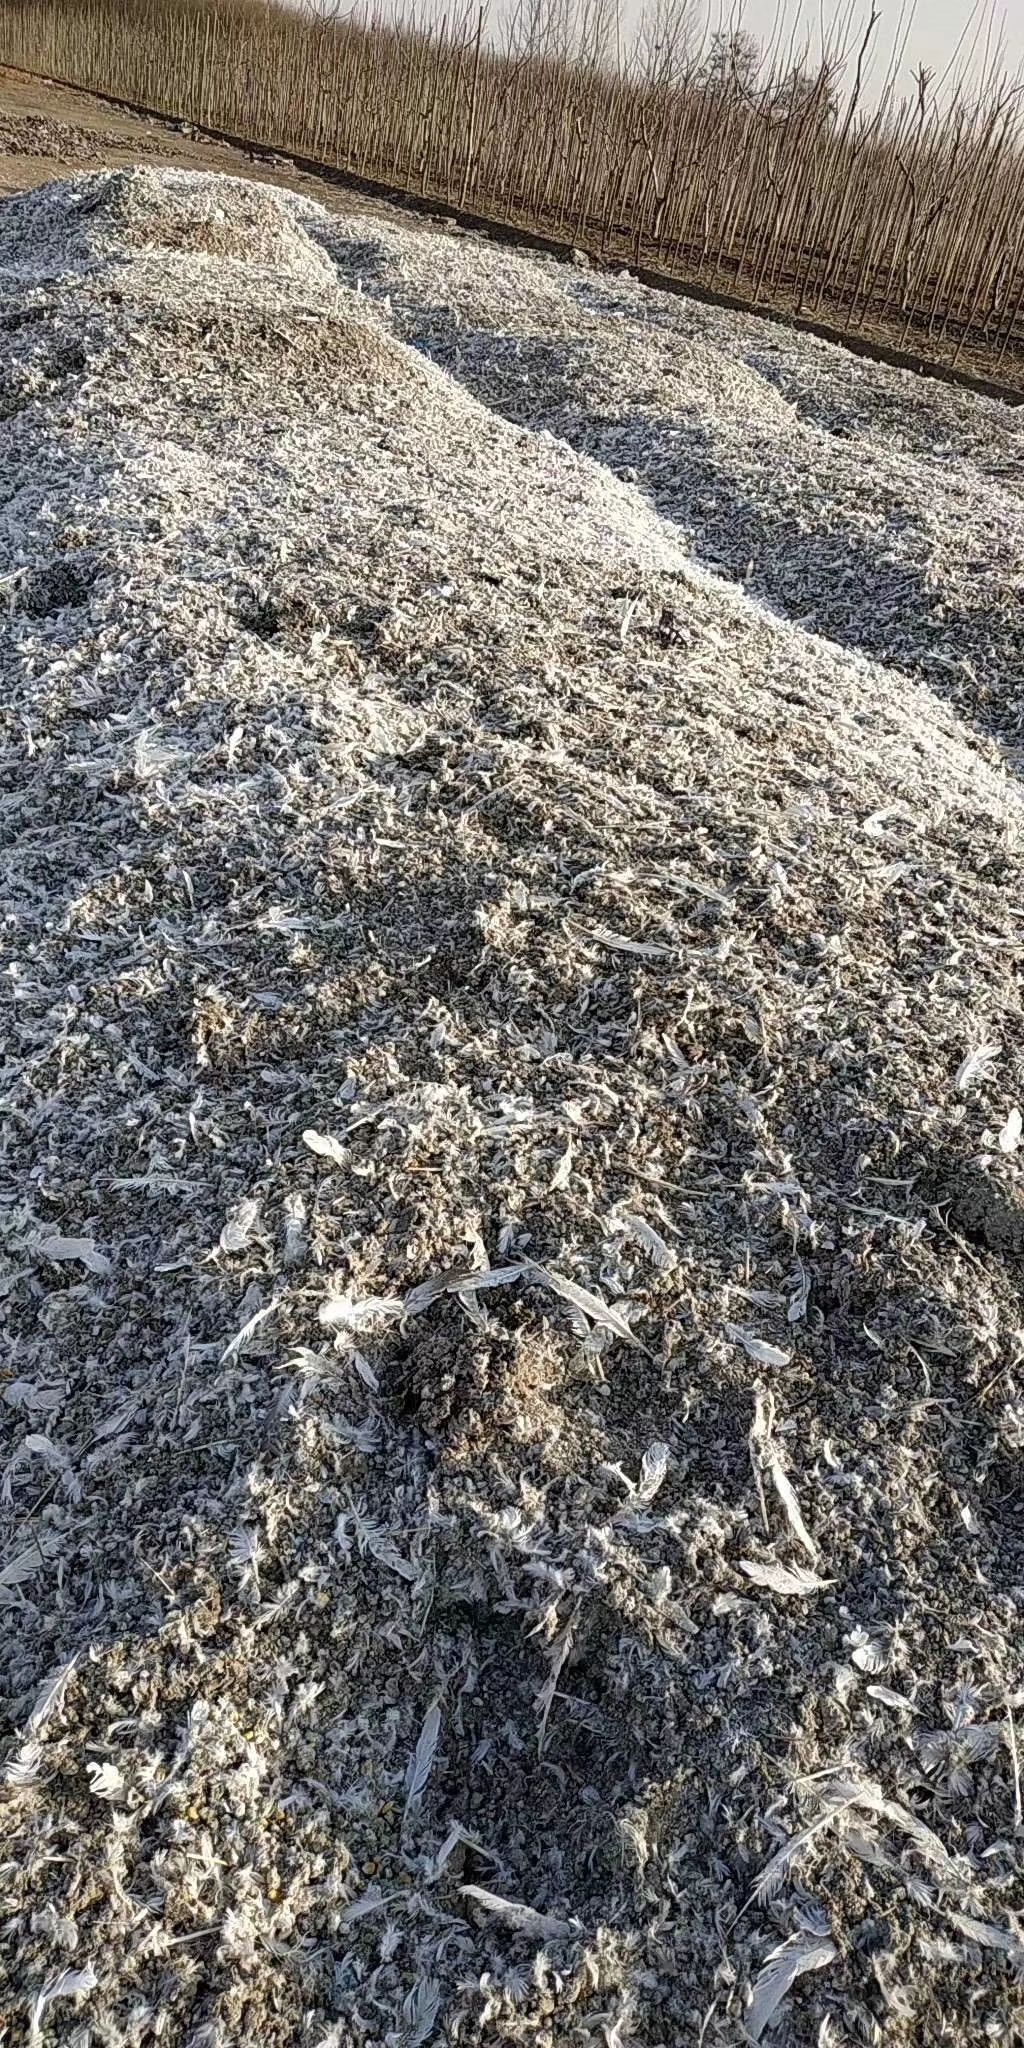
pixel 509 1190
pixel 41 136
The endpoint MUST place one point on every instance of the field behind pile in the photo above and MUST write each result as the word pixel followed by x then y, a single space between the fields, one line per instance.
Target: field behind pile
pixel 796 180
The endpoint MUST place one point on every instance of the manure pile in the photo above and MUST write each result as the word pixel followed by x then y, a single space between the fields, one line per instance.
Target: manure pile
pixel 510 1246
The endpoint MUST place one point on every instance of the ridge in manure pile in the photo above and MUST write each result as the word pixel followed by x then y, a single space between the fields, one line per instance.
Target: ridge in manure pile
pixel 507 1524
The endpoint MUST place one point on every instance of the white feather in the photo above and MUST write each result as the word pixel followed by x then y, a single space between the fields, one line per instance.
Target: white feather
pixel 557 1653
pixel 420 2010
pixel 885 1695
pixel 590 1305
pixel 563 1171
pixel 78 1250
pixel 240 1341
pixel 26 1563
pixel 422 1759
pixel 377 1541
pixel 777 1868
pixel 325 1147
pixel 644 1234
pixel 863 1793
pixel 70 1984
pixel 757 1348
pixel 641 949
pixel 975 1065
pixel 105 1781
pixel 345 1312
pixel 767 1454
pixel 239 1225
pixel 455 1280
pixel 870 1656
pixel 779 1974
pixel 1010 1135
pixel 22 1769
pixel 543 1926
pixel 653 1468
pixel 987 1934
pixel 789 1580
pixel 50 1695
pixel 791 1507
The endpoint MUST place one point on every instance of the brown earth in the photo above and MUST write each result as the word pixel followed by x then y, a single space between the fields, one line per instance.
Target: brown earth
pixel 45 127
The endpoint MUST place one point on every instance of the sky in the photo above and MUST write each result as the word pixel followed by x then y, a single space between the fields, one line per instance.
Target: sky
pixel 954 39
pixel 933 30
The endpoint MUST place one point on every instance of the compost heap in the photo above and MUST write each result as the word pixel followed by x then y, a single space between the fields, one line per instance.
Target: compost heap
pixel 513 1400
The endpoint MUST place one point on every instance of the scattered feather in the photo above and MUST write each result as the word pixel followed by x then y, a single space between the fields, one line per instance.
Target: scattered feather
pixel 294 1212
pixel 423 1296
pixel 326 1147
pixel 653 1471
pixel 456 1280
pixel 422 1760
pixel 1010 1135
pixel 887 1698
pixel 34 1397
pixel 863 1793
pixel 26 1563
pixel 562 1175
pixel 792 1580
pixel 242 1340
pixel 23 1768
pixel 346 1312
pixel 557 1653
pixel 373 1900
pixel 155 755
pixel 775 1872
pixel 245 1550
pixel 242 1221
pixel 365 1370
pixel 641 949
pixel 490 1276
pixel 69 1984
pixel 779 1973
pixel 367 1436
pixel 105 1781
pixel 375 1541
pixel 874 824
pixel 797 1310
pixel 587 1304
pixel 116 1421
pixel 976 1066
pixel 757 1348
pixel 768 1458
pixel 790 1505
pixel 525 1919
pixel 662 1255
pixel 50 1696
pixel 80 1251
pixel 454 1839
pixel 867 1652
pixel 420 2010
pixel 987 1935
pixel 37 1445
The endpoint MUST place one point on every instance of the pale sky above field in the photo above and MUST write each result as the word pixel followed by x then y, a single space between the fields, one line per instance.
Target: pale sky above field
pixel 933 30
pixel 955 39
pixel 950 37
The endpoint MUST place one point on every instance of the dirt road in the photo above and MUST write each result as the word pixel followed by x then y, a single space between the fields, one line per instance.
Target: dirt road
pixel 47 130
